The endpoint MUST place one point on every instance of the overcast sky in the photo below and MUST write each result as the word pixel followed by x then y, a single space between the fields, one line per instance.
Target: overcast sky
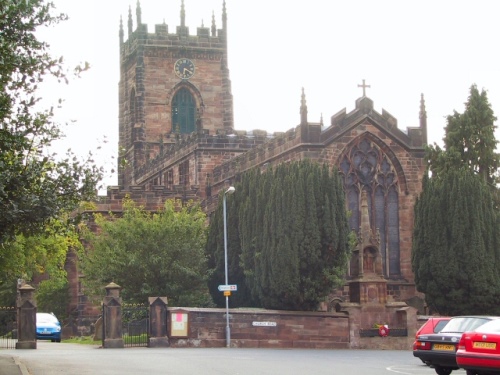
pixel 402 48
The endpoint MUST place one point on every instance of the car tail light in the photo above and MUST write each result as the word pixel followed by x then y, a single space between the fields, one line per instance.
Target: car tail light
pixel 422 345
pixel 461 343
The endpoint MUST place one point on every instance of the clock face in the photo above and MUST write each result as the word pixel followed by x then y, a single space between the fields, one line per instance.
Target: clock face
pixel 184 68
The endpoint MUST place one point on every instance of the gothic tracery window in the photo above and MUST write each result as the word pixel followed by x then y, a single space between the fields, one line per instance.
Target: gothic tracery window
pixel 366 166
pixel 183 112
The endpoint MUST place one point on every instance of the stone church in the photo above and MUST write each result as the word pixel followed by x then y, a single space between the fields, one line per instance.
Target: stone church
pixel 177 139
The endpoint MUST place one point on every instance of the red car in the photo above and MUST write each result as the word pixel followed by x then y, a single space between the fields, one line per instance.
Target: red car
pixel 433 325
pixel 479 351
pixel 438 350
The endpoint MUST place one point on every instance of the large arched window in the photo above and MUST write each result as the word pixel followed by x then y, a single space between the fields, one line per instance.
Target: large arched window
pixel 183 112
pixel 366 167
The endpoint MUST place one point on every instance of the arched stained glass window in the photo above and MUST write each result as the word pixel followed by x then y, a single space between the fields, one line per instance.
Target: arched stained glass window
pixel 366 167
pixel 183 112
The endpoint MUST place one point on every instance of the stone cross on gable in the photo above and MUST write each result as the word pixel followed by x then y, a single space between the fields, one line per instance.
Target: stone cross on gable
pixel 364 86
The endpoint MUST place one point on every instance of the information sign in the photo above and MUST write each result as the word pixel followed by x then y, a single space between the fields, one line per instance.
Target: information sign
pixel 223 288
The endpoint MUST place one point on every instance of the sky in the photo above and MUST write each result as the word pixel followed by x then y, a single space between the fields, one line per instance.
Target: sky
pixel 401 48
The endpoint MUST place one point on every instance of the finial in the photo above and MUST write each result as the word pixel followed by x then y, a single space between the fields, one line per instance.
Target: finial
pixel 303 108
pixel 183 14
pixel 423 119
pixel 423 112
pixel 214 29
pixel 138 13
pixel 224 15
pixel 129 21
pixel 120 33
pixel 364 86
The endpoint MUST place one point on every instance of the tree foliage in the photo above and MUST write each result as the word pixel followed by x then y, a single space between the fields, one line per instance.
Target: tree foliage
pixel 149 254
pixel 469 140
pixel 38 257
pixel 36 186
pixel 456 256
pixel 52 295
pixel 455 238
pixel 288 242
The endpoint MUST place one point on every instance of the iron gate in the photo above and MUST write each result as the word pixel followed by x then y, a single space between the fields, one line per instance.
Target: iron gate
pixel 8 327
pixel 135 325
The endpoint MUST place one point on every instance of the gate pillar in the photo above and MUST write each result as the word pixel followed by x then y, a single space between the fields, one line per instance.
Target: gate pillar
pixel 112 317
pixel 26 318
pixel 158 322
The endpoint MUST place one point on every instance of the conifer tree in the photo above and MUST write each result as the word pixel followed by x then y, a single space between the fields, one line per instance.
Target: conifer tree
pixel 469 140
pixel 455 257
pixel 455 237
pixel 293 234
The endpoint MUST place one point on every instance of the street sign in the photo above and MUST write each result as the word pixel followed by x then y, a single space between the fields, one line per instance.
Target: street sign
pixel 227 293
pixel 223 288
pixel 264 324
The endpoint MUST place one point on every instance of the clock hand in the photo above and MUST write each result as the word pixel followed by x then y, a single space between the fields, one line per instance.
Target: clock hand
pixel 187 70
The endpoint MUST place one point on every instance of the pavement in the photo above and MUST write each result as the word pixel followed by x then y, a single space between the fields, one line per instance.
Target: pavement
pixel 11 366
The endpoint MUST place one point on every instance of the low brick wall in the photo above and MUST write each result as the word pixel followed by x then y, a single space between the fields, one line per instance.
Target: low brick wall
pixel 256 328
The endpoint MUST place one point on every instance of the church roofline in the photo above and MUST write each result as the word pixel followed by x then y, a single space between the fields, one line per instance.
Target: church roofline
pixel 342 122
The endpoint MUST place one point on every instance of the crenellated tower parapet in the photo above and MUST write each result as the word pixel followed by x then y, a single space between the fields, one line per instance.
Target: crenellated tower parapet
pixel 171 83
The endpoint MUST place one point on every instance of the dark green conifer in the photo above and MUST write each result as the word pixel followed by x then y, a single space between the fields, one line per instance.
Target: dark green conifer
pixel 293 235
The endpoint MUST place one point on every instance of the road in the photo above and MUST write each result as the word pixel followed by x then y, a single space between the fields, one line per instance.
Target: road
pixel 60 358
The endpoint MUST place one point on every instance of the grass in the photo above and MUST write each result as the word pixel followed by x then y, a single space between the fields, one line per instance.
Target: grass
pixel 86 340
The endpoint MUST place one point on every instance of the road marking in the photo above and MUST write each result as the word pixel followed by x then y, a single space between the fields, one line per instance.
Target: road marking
pixel 413 370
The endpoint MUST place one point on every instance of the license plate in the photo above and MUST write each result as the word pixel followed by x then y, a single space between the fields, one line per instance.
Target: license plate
pixel 484 345
pixel 443 347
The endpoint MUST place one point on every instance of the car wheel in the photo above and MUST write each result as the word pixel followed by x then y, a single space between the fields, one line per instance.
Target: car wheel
pixel 58 340
pixel 443 370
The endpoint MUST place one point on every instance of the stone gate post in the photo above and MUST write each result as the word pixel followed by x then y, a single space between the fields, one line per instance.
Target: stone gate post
pixel 158 322
pixel 26 318
pixel 112 317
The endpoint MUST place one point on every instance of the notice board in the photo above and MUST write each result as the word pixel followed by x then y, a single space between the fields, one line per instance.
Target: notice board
pixel 179 323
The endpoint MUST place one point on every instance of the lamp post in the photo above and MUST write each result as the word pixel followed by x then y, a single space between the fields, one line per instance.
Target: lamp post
pixel 230 190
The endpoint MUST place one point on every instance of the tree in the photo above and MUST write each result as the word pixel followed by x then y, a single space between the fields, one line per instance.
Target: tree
pixel 455 236
pixel 39 258
pixel 36 186
pixel 455 255
pixel 469 140
pixel 288 242
pixel 149 254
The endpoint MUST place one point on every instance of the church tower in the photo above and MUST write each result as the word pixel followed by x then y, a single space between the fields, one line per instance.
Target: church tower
pixel 171 85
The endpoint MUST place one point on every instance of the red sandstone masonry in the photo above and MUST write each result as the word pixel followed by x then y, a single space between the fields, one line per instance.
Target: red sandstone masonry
pixel 315 330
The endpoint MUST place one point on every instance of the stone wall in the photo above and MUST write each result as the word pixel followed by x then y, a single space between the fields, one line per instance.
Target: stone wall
pixel 256 328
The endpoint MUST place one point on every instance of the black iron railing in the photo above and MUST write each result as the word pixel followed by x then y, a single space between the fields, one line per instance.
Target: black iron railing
pixel 8 327
pixel 135 325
